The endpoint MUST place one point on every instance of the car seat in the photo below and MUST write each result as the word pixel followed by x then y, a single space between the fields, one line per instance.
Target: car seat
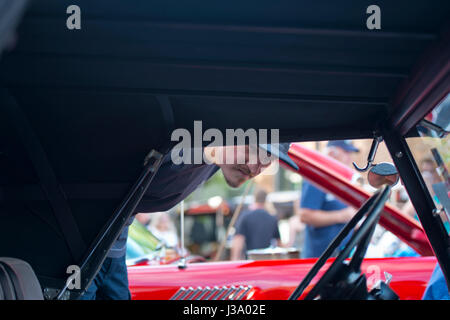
pixel 18 281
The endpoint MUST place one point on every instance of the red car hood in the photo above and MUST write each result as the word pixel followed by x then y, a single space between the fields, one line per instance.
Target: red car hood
pixel 272 279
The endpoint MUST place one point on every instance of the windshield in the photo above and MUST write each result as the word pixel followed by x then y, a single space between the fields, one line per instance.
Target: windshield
pixel 431 151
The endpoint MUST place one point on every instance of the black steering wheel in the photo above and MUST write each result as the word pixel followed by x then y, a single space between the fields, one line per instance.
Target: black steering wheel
pixel 371 210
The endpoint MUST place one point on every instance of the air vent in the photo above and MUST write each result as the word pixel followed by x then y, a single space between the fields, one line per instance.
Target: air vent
pixel 215 293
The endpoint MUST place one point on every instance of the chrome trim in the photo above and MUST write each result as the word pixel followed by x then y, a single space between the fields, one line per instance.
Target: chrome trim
pixel 244 293
pixel 228 292
pixel 186 294
pixel 236 293
pixel 215 293
pixel 221 291
pixel 204 293
pixel 178 293
pixel 195 293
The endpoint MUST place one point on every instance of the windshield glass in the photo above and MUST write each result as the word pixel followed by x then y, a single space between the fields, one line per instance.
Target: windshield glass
pixel 431 151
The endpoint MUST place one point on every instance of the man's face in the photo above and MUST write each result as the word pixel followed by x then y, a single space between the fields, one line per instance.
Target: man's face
pixel 340 155
pixel 239 163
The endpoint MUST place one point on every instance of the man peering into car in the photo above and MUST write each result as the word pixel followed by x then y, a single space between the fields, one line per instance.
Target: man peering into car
pixel 324 215
pixel 172 184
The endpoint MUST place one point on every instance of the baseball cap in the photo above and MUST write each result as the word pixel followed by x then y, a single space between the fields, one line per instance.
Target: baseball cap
pixel 280 150
pixel 347 145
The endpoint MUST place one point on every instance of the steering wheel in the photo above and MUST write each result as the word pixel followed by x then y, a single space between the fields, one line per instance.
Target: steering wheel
pixel 371 209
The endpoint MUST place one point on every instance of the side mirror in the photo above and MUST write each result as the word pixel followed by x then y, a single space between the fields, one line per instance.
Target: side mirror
pixel 381 174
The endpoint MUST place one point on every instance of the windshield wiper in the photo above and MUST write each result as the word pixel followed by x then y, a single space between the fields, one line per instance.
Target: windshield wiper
pixel 441 132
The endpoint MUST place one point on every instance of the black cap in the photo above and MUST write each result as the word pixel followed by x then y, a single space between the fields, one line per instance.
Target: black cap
pixel 280 150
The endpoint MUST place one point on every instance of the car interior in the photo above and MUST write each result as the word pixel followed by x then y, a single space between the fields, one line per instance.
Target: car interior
pixel 82 110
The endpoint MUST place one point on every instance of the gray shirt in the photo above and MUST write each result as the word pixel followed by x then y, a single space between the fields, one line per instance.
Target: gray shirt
pixel 172 184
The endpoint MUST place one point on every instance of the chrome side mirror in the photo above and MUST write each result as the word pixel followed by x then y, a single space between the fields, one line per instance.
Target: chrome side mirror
pixel 383 173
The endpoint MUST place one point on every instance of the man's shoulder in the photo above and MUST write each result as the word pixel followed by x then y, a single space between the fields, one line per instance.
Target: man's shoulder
pixel 260 213
pixel 191 174
pixel 169 163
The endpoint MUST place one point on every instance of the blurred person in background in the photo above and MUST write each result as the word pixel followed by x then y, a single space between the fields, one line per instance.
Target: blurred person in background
pixel 256 229
pixel 143 218
pixel 437 286
pixel 164 229
pixel 428 169
pixel 324 215
pixel 296 228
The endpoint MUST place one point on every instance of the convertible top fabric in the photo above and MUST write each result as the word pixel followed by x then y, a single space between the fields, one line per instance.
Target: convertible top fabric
pixel 231 64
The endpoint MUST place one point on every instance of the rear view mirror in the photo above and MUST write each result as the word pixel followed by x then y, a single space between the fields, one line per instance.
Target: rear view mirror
pixel 381 174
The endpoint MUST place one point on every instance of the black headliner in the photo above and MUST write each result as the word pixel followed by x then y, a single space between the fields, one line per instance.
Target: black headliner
pixel 308 68
pixel 230 63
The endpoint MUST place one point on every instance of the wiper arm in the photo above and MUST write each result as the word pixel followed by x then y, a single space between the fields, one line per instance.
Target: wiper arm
pixel 441 132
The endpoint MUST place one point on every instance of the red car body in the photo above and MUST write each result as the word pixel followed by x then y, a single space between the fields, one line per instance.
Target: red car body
pixel 271 279
pixel 277 279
